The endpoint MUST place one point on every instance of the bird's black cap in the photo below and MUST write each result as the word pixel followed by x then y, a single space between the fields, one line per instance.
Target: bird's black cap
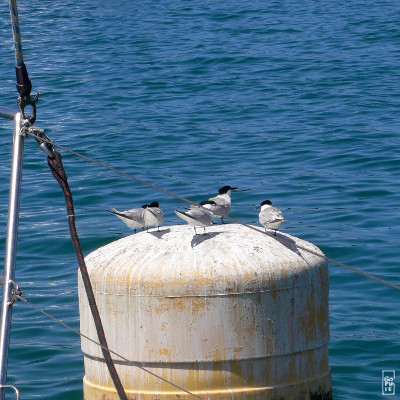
pixel 153 204
pixel 225 189
pixel 266 202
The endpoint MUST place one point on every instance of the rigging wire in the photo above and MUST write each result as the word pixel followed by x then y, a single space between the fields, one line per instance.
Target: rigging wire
pixel 136 364
pixel 24 84
pixel 158 188
pixel 16 31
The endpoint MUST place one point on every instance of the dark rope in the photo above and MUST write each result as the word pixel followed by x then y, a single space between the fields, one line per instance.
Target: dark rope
pixel 59 174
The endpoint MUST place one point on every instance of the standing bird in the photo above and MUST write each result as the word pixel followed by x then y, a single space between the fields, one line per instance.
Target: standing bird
pixel 133 218
pixel 270 217
pixel 153 216
pixel 222 202
pixel 198 216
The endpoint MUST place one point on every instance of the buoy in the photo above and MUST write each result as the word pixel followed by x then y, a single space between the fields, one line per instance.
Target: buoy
pixel 231 314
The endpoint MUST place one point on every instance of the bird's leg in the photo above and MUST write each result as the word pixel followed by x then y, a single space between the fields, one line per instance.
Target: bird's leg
pixel 158 228
pixel 222 220
pixel 195 232
pixel 135 230
pixel 275 233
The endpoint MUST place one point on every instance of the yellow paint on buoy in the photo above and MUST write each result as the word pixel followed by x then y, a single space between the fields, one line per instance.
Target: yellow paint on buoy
pixel 232 314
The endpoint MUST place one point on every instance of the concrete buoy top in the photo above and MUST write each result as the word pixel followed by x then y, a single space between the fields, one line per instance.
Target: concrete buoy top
pixel 227 259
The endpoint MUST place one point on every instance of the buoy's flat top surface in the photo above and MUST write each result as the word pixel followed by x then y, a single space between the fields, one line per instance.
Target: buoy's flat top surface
pixel 231 254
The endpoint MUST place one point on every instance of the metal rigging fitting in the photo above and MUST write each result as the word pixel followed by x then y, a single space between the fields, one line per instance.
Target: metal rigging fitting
pixel 24 84
pixel 16 293
pixel 44 141
pixel 24 101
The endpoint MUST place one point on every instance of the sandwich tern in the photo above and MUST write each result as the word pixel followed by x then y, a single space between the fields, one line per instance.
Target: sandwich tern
pixel 222 202
pixel 270 216
pixel 133 218
pixel 198 216
pixel 153 216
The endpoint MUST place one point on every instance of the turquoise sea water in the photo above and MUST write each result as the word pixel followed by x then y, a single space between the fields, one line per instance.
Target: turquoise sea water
pixel 296 101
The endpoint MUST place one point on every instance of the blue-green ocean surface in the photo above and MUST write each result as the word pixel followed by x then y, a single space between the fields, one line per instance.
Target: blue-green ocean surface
pixel 296 101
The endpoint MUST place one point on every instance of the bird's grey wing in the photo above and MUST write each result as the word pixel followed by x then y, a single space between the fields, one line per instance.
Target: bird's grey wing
pixel 185 216
pixel 270 215
pixel 278 214
pixel 135 214
pixel 196 216
pixel 266 216
pixel 204 217
pixel 215 199
pixel 132 218
pixel 210 207
pixel 155 214
pixel 118 213
pixel 160 215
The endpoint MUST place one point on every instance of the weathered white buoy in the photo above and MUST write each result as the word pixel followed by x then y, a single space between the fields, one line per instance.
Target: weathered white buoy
pixel 232 314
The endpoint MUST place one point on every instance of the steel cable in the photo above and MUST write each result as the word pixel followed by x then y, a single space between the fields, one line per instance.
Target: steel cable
pixel 16 31
pixel 143 182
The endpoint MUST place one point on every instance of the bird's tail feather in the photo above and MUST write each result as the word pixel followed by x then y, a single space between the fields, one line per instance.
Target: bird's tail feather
pixel 185 216
pixel 117 213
